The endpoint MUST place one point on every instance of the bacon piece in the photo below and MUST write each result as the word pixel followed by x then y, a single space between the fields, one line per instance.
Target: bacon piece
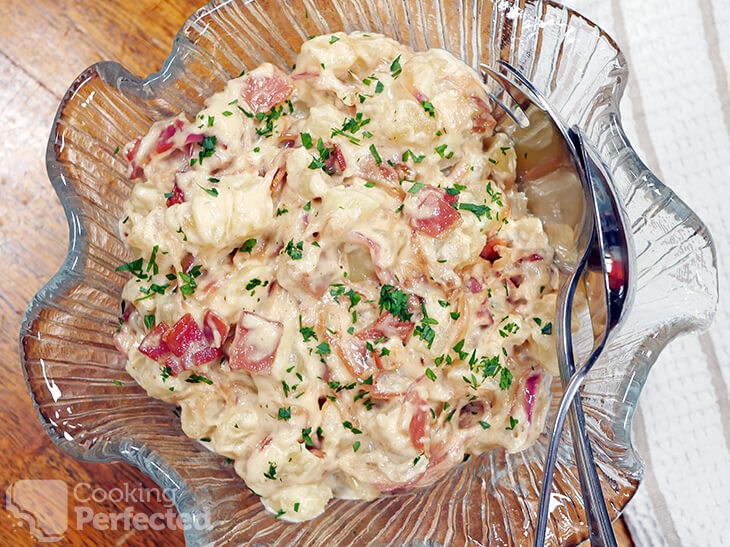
pixel 417 427
pixel 489 252
pixel 153 346
pixel 356 357
pixel 255 343
pixel 264 92
pixel 136 171
pixel 482 121
pixel 179 347
pixel 178 196
pixel 532 385
pixel 164 143
pixel 215 329
pixel 388 326
pixel 436 215
pixel 473 285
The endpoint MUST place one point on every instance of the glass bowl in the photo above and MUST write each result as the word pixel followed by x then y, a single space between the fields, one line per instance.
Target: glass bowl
pixel 94 411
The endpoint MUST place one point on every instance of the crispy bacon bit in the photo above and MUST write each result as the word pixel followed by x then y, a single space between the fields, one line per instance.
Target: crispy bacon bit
pixel 387 326
pixel 356 357
pixel 164 143
pixel 178 196
pixel 532 385
pixel 489 252
pixel 264 92
pixel 404 172
pixel 215 329
pixel 420 97
pixel 153 346
pixel 436 215
pixel 255 343
pixel 417 427
pixel 136 171
pixel 473 285
pixel 483 122
pixel 264 443
pixel 179 347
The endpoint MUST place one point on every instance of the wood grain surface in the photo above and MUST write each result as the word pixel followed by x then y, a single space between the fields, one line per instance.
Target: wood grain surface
pixel 44 45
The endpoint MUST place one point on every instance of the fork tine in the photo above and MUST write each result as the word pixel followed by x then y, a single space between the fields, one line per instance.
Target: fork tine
pixel 507 90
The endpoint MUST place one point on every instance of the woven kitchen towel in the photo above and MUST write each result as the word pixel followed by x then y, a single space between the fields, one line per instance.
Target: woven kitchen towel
pixel 677 114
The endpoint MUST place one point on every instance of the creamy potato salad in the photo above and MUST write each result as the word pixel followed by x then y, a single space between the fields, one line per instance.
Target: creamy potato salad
pixel 335 277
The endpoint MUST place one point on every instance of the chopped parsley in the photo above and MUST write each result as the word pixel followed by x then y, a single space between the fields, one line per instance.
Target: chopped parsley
pixel 294 250
pixel 478 210
pixel 306 140
pixel 149 321
pixel 306 332
pixel 512 423
pixel 395 68
pixel 431 375
pixel 484 425
pixel 248 245
pixel 441 149
pixel 395 301
pixel 355 446
pixel 415 188
pixel 210 191
pixel 284 413
pixel 271 475
pixel 428 107
pixel 416 159
pixel 375 154
pixel 333 39
pixel 196 378
pixel 323 349
pixel 281 211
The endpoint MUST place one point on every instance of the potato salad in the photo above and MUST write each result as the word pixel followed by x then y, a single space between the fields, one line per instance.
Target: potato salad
pixel 335 277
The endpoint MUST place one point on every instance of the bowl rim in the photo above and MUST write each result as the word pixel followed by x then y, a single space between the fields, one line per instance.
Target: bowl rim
pixel 125 449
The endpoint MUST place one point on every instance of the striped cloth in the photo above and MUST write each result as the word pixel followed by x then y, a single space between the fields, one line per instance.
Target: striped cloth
pixel 676 112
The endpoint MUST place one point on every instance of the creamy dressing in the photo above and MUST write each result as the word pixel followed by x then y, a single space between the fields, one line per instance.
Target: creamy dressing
pixel 337 238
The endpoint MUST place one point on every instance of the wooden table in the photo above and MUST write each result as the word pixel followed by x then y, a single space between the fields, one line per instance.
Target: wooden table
pixel 44 45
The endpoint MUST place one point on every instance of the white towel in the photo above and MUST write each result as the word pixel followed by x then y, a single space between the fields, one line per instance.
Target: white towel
pixel 676 111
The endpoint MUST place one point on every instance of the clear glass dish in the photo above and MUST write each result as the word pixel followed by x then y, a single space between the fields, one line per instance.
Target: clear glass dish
pixel 94 411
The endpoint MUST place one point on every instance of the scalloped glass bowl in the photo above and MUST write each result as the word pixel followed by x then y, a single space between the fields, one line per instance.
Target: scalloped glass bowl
pixel 94 411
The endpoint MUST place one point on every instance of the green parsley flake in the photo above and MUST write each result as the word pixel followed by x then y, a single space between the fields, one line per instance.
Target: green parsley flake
pixel 428 107
pixel 333 39
pixel 210 191
pixel 323 349
pixel 512 423
pixel 430 375
pixel 294 250
pixel 395 301
pixel 284 413
pixel 484 425
pixel 248 245
pixel 395 68
pixel 149 321
pixel 375 154
pixel 415 188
